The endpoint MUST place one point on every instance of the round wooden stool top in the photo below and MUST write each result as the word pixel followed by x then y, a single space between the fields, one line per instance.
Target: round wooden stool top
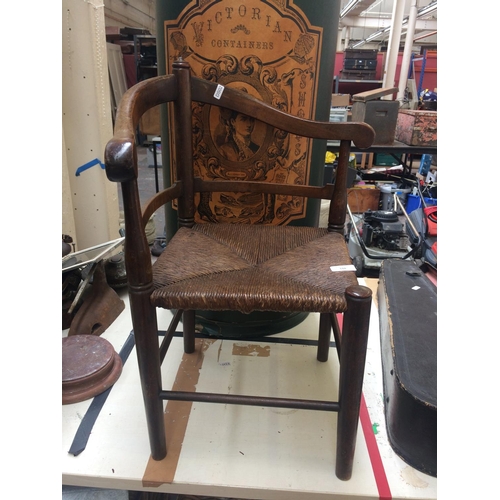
pixel 90 365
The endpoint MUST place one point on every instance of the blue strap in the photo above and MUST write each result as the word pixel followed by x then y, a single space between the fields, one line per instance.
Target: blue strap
pixel 88 165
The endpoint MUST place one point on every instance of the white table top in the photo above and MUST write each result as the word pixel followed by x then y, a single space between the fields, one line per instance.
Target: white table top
pixel 241 451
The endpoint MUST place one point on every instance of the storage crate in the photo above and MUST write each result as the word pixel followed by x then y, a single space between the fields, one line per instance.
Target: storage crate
pixel 358 74
pixel 417 127
pixel 361 199
pixel 386 160
pixel 360 54
pixel 351 64
pixel 382 115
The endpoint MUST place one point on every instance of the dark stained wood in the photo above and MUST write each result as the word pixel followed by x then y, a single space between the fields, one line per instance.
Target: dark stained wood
pixel 266 254
pixel 353 345
pixel 90 365
pixel 323 192
pixel 183 143
pixel 160 199
pixel 359 133
pixel 121 155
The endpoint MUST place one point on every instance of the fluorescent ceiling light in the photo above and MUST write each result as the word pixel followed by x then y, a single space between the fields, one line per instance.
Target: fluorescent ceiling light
pixel 348 8
pixel 424 11
pixel 427 10
pixel 377 34
pixel 358 44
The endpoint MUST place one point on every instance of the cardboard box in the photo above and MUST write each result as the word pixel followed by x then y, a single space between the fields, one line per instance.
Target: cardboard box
pixel 417 127
pixel 340 100
pixel 363 198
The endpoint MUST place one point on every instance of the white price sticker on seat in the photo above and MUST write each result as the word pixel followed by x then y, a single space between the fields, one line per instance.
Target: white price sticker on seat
pixel 337 269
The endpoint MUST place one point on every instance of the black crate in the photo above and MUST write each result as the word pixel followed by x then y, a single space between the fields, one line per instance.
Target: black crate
pixel 360 54
pixel 357 74
pixel 364 64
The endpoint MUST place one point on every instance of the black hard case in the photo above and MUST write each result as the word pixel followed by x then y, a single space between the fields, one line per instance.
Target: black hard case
pixel 408 331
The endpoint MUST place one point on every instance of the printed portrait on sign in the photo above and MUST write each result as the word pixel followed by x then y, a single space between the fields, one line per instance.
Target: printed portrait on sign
pixel 237 137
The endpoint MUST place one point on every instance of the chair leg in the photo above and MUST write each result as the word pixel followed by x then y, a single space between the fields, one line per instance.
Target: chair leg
pixel 148 358
pixel 188 321
pixel 325 330
pixel 352 365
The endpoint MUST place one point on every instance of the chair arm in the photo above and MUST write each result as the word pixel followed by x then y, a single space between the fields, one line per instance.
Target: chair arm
pixel 361 134
pixel 120 155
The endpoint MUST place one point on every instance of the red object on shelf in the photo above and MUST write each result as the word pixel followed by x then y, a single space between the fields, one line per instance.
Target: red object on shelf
pixel 432 215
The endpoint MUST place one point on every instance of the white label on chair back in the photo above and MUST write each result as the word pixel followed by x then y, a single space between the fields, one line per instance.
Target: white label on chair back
pixel 218 91
pixel 336 269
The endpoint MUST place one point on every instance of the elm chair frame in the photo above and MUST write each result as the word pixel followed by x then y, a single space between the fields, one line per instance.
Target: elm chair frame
pixel 296 277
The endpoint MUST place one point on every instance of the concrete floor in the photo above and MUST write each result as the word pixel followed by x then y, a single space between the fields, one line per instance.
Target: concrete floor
pixel 81 493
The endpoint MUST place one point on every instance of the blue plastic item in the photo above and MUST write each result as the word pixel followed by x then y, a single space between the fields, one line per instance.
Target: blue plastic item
pixel 425 165
pixel 413 202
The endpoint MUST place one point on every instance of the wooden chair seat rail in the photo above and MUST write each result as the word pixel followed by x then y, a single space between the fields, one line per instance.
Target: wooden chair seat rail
pixel 236 399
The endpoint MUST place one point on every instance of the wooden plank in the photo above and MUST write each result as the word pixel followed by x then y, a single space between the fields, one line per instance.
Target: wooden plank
pixel 370 95
pixel 370 160
pixel 116 74
pixel 363 160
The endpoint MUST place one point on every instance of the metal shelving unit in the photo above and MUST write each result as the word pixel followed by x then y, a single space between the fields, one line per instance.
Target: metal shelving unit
pixel 145 56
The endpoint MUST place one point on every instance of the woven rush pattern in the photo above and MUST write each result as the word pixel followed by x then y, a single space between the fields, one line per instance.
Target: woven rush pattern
pixel 252 267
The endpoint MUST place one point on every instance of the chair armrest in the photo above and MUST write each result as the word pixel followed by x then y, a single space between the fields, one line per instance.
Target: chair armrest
pixel 120 155
pixel 360 133
pixel 120 159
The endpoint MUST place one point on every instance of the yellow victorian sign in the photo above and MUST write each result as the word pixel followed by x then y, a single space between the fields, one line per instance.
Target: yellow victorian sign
pixel 268 49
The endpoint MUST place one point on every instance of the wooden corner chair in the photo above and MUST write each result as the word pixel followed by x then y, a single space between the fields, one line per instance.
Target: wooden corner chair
pixel 245 267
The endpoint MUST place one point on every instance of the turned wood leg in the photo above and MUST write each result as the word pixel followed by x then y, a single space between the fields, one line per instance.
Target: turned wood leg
pixel 148 358
pixel 352 365
pixel 188 320
pixel 325 330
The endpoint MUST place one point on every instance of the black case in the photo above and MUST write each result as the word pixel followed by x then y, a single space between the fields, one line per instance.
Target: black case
pixel 360 53
pixel 360 64
pixel 408 332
